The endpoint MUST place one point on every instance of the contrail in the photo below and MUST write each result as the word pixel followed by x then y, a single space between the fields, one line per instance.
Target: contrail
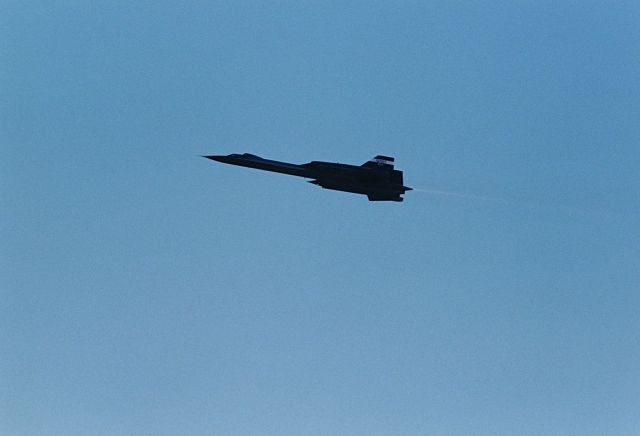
pixel 501 200
pixel 522 203
pixel 458 194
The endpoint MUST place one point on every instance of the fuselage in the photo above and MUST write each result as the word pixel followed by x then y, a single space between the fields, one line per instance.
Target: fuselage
pixel 379 182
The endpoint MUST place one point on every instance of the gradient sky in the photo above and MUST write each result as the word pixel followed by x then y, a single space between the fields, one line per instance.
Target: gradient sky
pixel 148 291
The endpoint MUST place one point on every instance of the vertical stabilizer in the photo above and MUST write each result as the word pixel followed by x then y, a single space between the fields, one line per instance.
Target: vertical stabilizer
pixel 382 162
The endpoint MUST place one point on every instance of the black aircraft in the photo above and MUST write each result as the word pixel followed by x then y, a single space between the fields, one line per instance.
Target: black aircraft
pixel 377 179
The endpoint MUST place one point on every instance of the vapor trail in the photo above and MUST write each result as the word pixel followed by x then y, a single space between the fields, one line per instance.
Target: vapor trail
pixel 541 205
pixel 457 194
pixel 485 198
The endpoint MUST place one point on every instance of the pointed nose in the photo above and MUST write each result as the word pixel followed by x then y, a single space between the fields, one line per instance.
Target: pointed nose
pixel 218 158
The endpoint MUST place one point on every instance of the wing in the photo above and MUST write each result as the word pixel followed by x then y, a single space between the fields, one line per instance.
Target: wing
pixel 384 197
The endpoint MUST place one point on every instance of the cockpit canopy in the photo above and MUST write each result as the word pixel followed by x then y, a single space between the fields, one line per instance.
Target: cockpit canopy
pixel 248 155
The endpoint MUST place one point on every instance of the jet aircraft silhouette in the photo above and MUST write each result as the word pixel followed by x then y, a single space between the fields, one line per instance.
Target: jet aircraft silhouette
pixel 377 179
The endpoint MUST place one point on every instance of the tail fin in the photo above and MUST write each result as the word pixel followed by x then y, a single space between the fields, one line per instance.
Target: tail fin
pixel 381 162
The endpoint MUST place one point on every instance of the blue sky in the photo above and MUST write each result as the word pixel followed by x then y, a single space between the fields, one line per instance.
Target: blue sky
pixel 149 291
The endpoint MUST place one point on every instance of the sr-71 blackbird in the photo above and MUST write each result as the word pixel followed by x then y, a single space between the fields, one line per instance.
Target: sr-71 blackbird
pixel 377 179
